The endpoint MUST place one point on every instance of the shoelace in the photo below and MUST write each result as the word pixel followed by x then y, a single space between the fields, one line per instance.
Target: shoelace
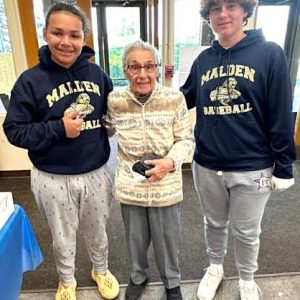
pixel 210 276
pixel 249 291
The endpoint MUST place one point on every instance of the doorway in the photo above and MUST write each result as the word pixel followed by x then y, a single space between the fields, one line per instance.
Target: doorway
pixel 115 24
pixel 279 22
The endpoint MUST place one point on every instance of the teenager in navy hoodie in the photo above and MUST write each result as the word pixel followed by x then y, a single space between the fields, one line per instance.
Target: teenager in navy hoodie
pixel 241 89
pixel 55 112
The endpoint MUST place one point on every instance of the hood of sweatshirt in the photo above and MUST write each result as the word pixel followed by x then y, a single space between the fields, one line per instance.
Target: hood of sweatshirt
pixel 252 37
pixel 45 58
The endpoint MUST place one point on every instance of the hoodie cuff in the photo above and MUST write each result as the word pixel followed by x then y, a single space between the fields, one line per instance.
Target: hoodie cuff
pixel 285 173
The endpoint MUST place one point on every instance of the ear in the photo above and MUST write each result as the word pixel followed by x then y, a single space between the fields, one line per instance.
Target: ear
pixel 45 34
pixel 125 73
pixel 84 40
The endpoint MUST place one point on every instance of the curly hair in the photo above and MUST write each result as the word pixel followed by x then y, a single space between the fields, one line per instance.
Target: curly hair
pixel 206 5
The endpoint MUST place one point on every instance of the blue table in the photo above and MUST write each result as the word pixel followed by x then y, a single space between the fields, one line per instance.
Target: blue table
pixel 19 252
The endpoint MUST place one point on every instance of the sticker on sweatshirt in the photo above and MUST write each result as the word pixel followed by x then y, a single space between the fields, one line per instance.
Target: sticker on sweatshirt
pixel 264 181
pixel 82 106
pixel 226 92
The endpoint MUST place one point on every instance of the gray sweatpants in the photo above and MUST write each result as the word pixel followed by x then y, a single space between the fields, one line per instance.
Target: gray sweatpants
pixel 67 200
pixel 237 199
pixel 161 225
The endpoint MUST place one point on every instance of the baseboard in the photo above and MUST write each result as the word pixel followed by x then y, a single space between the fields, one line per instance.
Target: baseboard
pixel 298 152
pixel 186 166
pixel 21 173
pixel 26 173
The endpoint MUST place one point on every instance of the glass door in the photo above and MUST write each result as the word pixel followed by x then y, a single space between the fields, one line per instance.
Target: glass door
pixel 115 24
pixel 278 20
pixel 267 19
pixel 187 38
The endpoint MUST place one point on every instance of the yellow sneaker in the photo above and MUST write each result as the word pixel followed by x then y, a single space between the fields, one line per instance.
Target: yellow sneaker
pixel 66 293
pixel 108 285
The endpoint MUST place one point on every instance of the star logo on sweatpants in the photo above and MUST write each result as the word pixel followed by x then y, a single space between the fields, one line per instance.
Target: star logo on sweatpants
pixel 264 181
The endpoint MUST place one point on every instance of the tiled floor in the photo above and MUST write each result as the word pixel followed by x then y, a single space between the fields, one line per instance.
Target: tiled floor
pixel 284 287
pixel 279 253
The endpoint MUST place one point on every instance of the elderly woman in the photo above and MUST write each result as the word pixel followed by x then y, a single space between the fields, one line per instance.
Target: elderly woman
pixel 150 119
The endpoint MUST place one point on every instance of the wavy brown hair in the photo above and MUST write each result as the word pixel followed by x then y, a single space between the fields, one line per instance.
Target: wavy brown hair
pixel 206 5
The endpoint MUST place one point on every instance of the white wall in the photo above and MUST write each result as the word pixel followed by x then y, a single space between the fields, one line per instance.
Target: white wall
pixel 11 157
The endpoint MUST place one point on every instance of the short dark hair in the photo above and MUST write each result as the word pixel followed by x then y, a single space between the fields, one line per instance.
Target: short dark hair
pixel 206 5
pixel 71 9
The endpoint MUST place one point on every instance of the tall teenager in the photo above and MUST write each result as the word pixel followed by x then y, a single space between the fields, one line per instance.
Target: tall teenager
pixel 241 89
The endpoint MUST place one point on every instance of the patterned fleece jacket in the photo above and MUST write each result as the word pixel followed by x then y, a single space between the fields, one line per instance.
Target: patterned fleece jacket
pixel 162 127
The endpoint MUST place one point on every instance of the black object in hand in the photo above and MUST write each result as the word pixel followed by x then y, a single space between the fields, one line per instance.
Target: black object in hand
pixel 140 166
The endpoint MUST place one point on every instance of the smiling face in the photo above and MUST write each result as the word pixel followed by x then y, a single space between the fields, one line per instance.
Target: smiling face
pixel 143 81
pixel 227 20
pixel 65 38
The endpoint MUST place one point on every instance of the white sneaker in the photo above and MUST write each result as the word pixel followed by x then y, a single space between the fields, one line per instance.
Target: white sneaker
pixel 210 282
pixel 249 290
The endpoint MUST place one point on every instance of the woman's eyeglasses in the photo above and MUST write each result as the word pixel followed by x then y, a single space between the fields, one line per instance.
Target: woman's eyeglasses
pixel 135 69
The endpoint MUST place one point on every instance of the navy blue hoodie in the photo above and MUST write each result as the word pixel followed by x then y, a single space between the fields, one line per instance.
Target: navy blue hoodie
pixel 39 99
pixel 244 107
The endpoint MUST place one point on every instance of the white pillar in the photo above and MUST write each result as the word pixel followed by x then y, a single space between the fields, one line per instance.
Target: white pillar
pixel 168 39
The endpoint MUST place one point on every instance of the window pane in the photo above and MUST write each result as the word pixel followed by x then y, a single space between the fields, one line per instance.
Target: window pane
pixel 273 21
pixel 38 9
pixel 187 37
pixel 7 69
pixel 296 101
pixel 123 26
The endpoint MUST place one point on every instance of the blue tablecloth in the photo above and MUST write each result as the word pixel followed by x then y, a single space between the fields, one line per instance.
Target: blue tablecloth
pixel 19 252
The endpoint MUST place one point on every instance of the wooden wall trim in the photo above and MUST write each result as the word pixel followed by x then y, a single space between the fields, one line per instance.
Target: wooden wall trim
pixel 297 130
pixel 14 174
pixel 86 6
pixel 28 26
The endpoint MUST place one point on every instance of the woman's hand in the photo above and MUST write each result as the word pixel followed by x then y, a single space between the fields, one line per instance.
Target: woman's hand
pixel 161 168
